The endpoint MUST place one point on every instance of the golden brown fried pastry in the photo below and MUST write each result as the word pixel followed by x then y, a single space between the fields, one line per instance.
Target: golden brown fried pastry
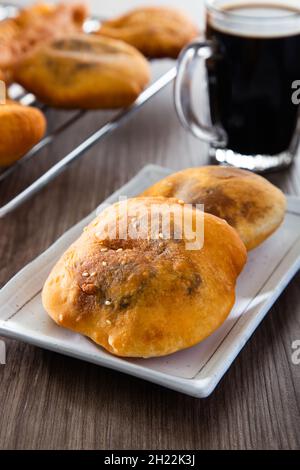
pixel 8 32
pixel 64 16
pixel 21 128
pixel 145 296
pixel 155 31
pixel 84 71
pixel 35 25
pixel 248 202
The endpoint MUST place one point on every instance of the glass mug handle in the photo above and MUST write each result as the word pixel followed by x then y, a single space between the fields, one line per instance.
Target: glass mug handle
pixel 197 50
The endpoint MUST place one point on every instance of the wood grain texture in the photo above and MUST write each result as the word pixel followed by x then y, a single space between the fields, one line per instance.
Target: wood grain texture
pixel 50 401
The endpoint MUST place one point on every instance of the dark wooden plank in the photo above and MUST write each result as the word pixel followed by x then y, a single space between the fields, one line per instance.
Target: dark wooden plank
pixel 50 401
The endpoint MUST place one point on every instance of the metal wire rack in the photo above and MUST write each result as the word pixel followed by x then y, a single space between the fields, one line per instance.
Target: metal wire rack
pixel 16 92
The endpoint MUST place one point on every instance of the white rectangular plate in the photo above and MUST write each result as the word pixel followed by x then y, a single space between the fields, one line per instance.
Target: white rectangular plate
pixel 195 371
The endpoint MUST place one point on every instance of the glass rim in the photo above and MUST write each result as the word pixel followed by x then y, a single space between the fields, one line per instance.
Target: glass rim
pixel 212 6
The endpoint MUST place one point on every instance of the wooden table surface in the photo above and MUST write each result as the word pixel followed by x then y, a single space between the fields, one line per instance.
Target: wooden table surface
pixel 50 401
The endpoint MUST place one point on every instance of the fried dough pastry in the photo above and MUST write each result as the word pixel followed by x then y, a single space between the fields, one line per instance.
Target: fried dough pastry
pixel 248 202
pixel 145 296
pixel 8 33
pixel 21 128
pixel 84 71
pixel 36 25
pixel 155 31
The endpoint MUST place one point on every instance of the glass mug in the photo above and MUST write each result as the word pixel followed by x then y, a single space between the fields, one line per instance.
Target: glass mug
pixel 251 62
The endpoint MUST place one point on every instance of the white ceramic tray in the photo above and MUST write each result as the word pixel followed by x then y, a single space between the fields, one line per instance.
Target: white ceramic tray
pixel 195 371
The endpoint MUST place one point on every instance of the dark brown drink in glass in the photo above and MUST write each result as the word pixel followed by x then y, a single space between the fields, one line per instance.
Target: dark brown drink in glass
pixel 250 81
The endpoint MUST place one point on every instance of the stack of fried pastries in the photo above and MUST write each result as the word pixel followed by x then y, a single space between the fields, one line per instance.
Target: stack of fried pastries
pixel 36 25
pixel 22 127
pixel 41 45
pixel 148 293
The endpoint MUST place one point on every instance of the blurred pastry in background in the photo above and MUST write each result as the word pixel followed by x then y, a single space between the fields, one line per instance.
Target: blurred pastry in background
pixel 84 71
pixel 155 31
pixel 21 128
pixel 69 15
pixel 2 76
pixel 248 202
pixel 35 25
pixel 8 32
pixel 146 295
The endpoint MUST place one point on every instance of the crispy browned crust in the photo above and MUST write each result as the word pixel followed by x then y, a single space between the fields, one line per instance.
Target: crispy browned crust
pixel 144 297
pixel 155 31
pixel 84 71
pixel 248 202
pixel 21 128
pixel 36 25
